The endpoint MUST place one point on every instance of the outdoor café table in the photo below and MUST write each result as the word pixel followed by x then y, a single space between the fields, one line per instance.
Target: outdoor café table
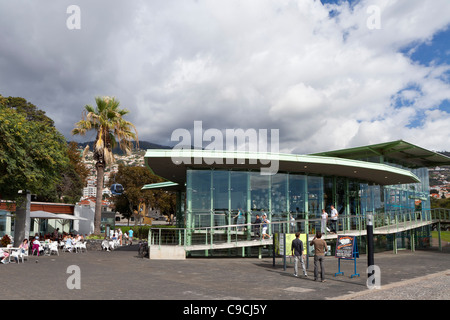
pixel 9 250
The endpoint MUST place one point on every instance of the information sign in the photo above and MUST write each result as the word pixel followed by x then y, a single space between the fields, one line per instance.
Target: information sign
pixel 346 247
pixel 279 243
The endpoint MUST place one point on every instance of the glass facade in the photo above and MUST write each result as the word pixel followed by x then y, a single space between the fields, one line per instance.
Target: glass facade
pixel 221 197
pixel 404 197
pixel 216 197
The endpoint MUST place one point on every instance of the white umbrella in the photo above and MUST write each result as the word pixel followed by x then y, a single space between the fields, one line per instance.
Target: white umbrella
pixel 48 215
pixel 69 217
pixel 43 215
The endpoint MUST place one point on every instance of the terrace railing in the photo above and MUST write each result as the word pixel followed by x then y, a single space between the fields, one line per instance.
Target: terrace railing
pixel 243 235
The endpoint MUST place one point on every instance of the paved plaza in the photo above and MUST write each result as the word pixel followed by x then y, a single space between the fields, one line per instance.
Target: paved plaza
pixel 121 274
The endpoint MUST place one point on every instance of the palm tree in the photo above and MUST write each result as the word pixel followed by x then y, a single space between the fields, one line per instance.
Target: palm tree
pixel 107 120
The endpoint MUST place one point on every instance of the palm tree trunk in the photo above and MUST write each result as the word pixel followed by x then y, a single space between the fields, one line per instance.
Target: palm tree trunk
pixel 98 199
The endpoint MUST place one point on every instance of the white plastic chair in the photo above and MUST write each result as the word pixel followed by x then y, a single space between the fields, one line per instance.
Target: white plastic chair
pixel 25 254
pixel 53 247
pixel 108 245
pixel 41 248
pixel 17 254
pixel 68 248
pixel 81 246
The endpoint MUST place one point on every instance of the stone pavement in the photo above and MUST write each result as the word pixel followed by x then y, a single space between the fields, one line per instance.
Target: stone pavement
pixel 121 275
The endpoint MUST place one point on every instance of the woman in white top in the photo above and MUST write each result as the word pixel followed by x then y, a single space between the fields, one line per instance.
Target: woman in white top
pixel 324 221
pixel 334 217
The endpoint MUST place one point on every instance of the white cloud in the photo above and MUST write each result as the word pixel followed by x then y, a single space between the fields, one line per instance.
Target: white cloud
pixel 325 80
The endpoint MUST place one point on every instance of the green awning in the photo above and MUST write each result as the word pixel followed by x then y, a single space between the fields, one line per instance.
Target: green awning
pixel 402 152
pixel 162 185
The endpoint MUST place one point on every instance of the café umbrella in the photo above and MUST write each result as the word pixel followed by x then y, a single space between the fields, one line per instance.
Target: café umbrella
pixel 39 214
pixel 48 215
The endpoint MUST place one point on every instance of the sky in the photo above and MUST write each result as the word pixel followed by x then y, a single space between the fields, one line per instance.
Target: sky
pixel 326 74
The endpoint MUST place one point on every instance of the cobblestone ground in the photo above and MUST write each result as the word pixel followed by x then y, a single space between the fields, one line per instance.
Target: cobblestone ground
pixel 121 275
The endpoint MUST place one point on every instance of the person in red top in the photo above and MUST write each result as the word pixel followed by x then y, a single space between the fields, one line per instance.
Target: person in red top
pixel 320 247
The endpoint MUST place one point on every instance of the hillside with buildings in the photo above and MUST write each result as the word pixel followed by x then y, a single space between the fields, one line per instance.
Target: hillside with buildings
pixel 136 158
pixel 440 180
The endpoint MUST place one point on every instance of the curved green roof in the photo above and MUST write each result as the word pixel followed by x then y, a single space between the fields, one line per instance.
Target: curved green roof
pixel 172 165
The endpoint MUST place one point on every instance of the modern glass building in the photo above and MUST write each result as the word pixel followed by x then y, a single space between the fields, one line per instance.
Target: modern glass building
pixel 218 189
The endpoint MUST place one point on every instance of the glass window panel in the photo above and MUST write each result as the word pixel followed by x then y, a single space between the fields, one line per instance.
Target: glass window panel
pixel 279 193
pixel 341 195
pixel 260 191
pixel 239 190
pixel 354 204
pixel 220 190
pixel 201 189
pixel 315 196
pixel 328 193
pixel 220 197
pixel 297 194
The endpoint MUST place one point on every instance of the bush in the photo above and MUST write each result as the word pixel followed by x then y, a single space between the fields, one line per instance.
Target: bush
pixel 95 237
pixel 141 232
pixel 5 240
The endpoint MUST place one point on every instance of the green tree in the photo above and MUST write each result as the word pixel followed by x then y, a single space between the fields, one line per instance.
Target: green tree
pixel 133 178
pixel 31 112
pixel 440 203
pixel 73 176
pixel 112 129
pixel 32 153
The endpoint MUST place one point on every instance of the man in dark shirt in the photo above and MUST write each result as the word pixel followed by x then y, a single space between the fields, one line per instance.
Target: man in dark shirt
pixel 257 227
pixel 297 252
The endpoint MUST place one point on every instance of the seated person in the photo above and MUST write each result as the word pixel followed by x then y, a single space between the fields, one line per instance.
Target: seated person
pixel 23 247
pixel 69 243
pixel 3 256
pixel 36 245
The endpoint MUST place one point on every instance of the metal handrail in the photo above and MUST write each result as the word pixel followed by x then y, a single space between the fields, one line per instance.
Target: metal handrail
pixel 392 222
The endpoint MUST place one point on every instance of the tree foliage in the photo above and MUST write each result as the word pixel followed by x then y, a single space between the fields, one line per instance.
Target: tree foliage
pixel 74 176
pixel 133 179
pixel 112 129
pixel 440 203
pixel 32 154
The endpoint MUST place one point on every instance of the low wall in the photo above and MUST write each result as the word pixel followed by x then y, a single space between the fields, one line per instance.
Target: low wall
pixel 94 245
pixel 167 252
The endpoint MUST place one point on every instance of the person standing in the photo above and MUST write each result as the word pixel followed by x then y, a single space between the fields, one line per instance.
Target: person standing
pixel 265 225
pixel 324 220
pixel 320 247
pixel 334 217
pixel 297 252
pixel 56 234
pixel 130 236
